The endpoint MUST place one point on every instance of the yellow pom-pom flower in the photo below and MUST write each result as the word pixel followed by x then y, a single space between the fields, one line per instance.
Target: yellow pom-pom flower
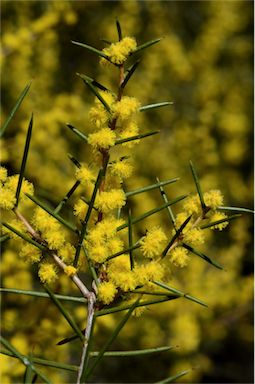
pixel 126 107
pixel 106 201
pixel 192 205
pixel 122 169
pixel 105 138
pixel 3 174
pixel 67 253
pixel 106 292
pixel 149 272
pixel 153 243
pixel 47 272
pixel 219 216
pixel 55 239
pixel 80 209
pixel 194 236
pixel 213 198
pixel 84 175
pixel 30 253
pixel 70 270
pixel 130 129
pixel 179 257
pixel 98 253
pixel 7 198
pixel 119 52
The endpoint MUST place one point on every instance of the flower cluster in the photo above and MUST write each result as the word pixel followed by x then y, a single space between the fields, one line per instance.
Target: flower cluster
pixel 119 52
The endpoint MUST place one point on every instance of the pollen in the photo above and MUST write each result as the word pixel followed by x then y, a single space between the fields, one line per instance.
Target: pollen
pixel 153 243
pixel 47 272
pixel 106 201
pixel 106 292
pixel 213 198
pixel 105 138
pixel 179 257
pixel 119 52
pixel 84 175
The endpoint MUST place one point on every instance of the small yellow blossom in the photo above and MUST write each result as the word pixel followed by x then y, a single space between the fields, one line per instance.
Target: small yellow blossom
pixel 98 253
pixel 84 175
pixel 70 270
pixel 130 129
pixel 149 272
pixel 47 272
pixel 179 257
pixel 67 253
pixel 80 209
pixel 125 108
pixel 7 198
pixel 106 201
pixel 194 236
pixel 115 245
pixel 213 198
pixel 30 253
pixel 3 174
pixel 104 138
pixel 118 271
pixel 55 239
pixel 192 205
pixel 179 220
pixel 122 169
pixel 106 292
pixel 153 243
pixel 12 183
pixel 44 222
pixel 119 52
pixel 219 216
pixel 98 116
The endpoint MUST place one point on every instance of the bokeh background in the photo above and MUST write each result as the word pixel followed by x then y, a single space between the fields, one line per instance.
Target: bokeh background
pixel 204 65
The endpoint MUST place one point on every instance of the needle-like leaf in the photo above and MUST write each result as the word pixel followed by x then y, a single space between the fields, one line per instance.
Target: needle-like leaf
pixel 92 49
pixel 119 29
pixel 136 137
pixel 129 73
pixel 152 212
pixel 198 187
pixel 77 132
pixel 14 110
pixel 24 237
pixel 202 255
pixel 67 197
pixel 51 212
pixel 42 294
pixel 239 209
pixel 94 82
pixel 172 379
pixel 155 105
pixel 130 240
pixel 146 45
pixel 165 198
pixel 204 226
pixel 175 237
pixel 65 313
pixel 178 292
pixel 24 160
pixel 151 187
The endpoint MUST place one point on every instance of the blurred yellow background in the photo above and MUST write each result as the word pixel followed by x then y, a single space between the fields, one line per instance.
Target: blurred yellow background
pixel 204 65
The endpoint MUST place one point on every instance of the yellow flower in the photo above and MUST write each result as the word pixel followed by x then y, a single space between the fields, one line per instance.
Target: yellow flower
pixel 106 292
pixel 55 239
pixel 219 216
pixel 7 198
pixel 3 174
pixel 106 201
pixel 98 116
pixel 130 129
pixel 84 175
pixel 30 253
pixel 125 108
pixel 149 272
pixel 122 169
pixel 80 209
pixel 179 257
pixel 153 243
pixel 194 236
pixel 119 52
pixel 213 198
pixel 192 205
pixel 67 253
pixel 47 272
pixel 70 270
pixel 12 183
pixel 98 253
pixel 104 138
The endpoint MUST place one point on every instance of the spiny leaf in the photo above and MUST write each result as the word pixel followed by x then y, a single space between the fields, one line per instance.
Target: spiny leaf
pixel 24 237
pixel 138 352
pixel 77 132
pixel 65 313
pixel 198 187
pixel 178 292
pixel 175 237
pixel 42 294
pixel 220 221
pixel 152 212
pixel 130 71
pixel 165 198
pixel 52 213
pixel 146 45
pixel 202 255
pixel 130 240
pixel 172 379
pixel 96 93
pixel 74 160
pixel 94 82
pixel 24 359
pixel 92 49
pixel 4 238
pixel 120 308
pixel 136 137
pixel 119 29
pixel 127 250
pixel 151 187
pixel 88 214
pixel 24 160
pixel 67 197
pixel 46 363
pixel 156 105
pixel 113 337
pixel 14 110
pixel 239 209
